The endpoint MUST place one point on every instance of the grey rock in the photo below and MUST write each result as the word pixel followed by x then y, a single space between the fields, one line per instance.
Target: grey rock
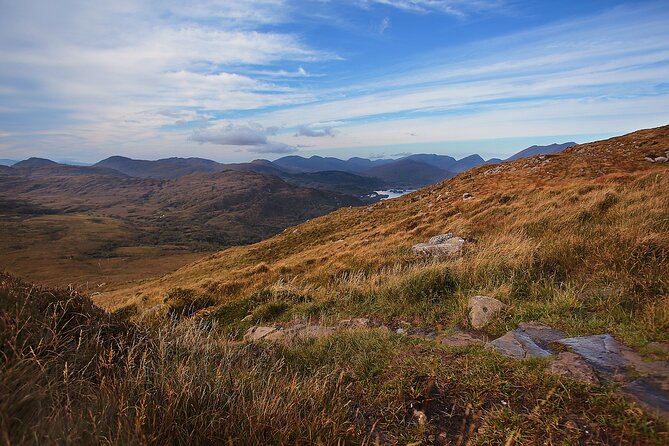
pixel 437 239
pixel 517 344
pixel 483 309
pixel 661 159
pixel 467 196
pixel 450 247
pixel 541 333
pixel 461 339
pixel 649 159
pixel 573 366
pixel 602 352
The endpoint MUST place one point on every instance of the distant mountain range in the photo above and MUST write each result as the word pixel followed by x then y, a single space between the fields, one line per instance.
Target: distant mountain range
pixel 354 176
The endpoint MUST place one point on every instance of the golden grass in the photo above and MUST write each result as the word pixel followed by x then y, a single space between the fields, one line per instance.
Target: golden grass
pixel 579 239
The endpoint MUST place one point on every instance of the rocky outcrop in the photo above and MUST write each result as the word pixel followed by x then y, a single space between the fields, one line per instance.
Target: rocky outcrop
pixel 483 309
pixel 444 245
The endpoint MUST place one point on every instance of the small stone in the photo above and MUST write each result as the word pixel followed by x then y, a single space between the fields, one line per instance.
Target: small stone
pixel 482 310
pixel 649 159
pixel 461 339
pixel 400 331
pixel 467 196
pixel 573 366
pixel 661 159
pixel 420 417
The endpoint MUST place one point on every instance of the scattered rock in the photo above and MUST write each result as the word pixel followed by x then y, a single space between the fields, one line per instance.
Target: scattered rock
pixel 482 310
pixel 258 332
pixel 443 245
pixel 355 323
pixel 517 344
pixel 400 331
pixel 649 159
pixel 573 366
pixel 461 339
pixel 661 159
pixel 467 196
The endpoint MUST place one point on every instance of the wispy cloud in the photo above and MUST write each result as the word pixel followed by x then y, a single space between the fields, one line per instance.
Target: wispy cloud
pixel 384 25
pixel 458 8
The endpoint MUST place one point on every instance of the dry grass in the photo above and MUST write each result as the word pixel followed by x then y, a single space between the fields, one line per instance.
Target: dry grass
pixel 71 374
pixel 579 240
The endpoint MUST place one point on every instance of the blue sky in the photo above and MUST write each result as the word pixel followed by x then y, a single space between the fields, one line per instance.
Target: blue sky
pixel 243 79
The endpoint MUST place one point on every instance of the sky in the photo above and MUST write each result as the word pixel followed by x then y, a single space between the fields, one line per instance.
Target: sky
pixel 236 80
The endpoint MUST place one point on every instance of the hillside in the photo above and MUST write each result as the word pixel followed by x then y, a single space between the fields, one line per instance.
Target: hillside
pixel 168 168
pixel 541 150
pixel 542 216
pixel 577 240
pixel 62 229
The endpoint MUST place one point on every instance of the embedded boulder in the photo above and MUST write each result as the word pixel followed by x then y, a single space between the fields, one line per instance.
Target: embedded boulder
pixel 483 309
pixel 444 245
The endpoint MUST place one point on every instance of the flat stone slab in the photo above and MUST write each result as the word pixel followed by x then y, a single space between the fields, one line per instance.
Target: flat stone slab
pixel 541 333
pixel 461 339
pixel 649 394
pixel 518 344
pixel 614 360
pixel 602 352
pixel 573 366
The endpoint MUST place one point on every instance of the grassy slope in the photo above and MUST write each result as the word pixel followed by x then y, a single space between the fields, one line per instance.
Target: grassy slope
pixel 94 229
pixel 579 240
